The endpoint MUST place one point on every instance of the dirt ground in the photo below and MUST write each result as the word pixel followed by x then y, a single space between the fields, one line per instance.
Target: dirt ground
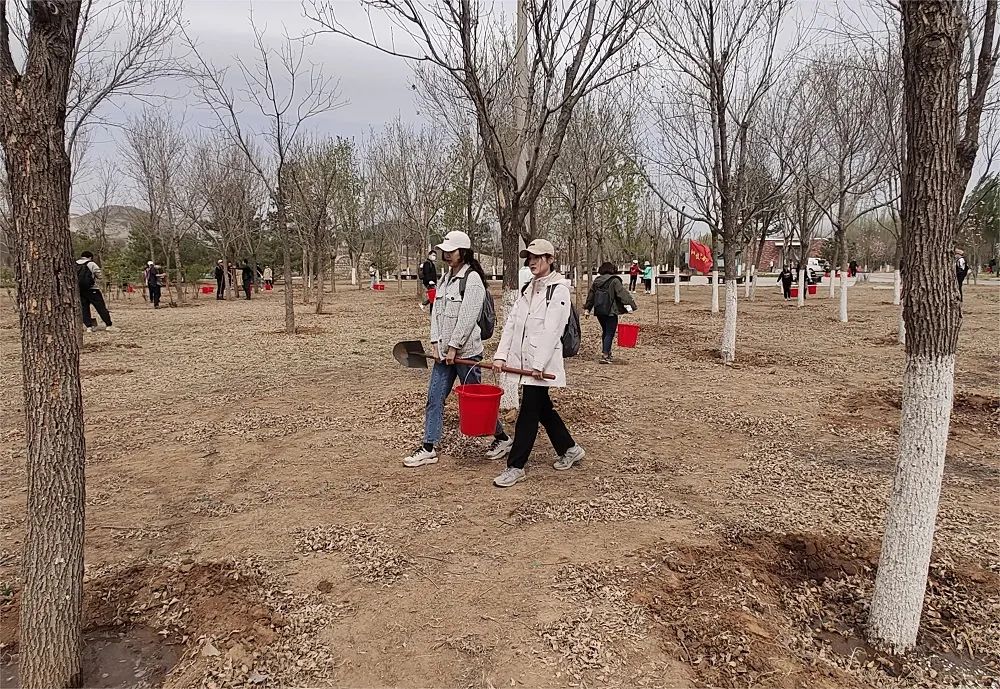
pixel 250 524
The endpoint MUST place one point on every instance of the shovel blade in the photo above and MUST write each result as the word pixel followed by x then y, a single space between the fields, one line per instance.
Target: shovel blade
pixel 410 353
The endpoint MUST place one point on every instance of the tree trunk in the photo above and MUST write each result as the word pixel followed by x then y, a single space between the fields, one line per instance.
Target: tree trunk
pixel 833 270
pixel 509 242
pixel 896 287
pixel 932 48
pixel 306 276
pixel 180 270
pixel 844 263
pixel 32 129
pixel 715 290
pixel 320 276
pixel 677 282
pixel 287 255
pixel 801 300
pixel 728 348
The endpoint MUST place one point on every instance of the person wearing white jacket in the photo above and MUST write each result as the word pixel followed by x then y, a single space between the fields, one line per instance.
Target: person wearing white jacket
pixel 532 340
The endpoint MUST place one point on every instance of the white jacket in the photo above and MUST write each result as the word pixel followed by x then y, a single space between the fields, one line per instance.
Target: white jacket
pixel 532 335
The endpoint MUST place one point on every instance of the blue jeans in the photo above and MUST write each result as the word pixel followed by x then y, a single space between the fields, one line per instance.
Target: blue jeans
pixel 609 326
pixel 442 380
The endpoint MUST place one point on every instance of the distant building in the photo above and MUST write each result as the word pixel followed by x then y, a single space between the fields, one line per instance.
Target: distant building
pixel 778 251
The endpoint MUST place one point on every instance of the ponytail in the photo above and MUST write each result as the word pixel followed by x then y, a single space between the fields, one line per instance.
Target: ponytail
pixel 469 259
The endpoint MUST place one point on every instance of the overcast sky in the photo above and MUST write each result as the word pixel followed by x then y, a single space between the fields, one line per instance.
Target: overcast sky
pixel 375 88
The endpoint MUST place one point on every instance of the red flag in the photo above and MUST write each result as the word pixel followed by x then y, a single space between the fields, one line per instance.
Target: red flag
pixel 699 257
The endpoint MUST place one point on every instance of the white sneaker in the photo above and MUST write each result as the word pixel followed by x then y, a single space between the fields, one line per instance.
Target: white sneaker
pixel 422 307
pixel 572 456
pixel 499 448
pixel 113 329
pixel 421 457
pixel 90 329
pixel 509 477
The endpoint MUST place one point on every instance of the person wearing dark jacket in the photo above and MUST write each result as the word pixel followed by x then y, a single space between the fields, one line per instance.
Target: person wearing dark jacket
pixel 220 281
pixel 785 278
pixel 429 277
pixel 961 269
pixel 248 279
pixel 608 299
pixel 153 283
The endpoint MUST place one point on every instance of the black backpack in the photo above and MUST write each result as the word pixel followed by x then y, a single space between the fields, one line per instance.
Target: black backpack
pixel 488 316
pixel 85 276
pixel 571 333
pixel 604 298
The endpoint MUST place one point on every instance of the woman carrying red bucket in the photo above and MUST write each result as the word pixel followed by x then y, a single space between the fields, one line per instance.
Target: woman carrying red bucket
pixel 455 334
pixel 532 339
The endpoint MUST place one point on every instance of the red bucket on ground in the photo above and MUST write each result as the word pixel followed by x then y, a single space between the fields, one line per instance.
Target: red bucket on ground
pixel 812 289
pixel 267 287
pixel 379 286
pixel 478 408
pixel 207 289
pixel 793 292
pixel 628 335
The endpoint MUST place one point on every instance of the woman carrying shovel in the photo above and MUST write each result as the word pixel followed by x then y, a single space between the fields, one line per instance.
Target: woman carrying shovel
pixel 455 335
pixel 532 339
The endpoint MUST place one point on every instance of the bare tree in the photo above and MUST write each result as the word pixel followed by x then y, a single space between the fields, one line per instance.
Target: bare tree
pixel 412 167
pixel 726 56
pixel 287 92
pixel 32 130
pixel 941 150
pixel 317 169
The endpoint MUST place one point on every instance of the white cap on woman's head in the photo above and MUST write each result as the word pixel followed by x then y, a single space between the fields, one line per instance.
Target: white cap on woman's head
pixel 149 263
pixel 455 240
pixel 539 247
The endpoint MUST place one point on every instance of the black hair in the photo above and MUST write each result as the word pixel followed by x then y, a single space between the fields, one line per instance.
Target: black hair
pixel 87 254
pixel 469 258
pixel 607 268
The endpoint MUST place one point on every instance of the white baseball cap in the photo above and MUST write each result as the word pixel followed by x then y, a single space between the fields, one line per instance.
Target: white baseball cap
pixel 455 240
pixel 149 263
pixel 539 247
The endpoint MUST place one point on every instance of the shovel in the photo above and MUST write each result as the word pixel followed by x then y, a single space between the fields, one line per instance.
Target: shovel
pixel 411 354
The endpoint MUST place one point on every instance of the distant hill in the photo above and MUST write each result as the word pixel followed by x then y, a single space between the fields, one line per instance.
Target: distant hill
pixel 119 221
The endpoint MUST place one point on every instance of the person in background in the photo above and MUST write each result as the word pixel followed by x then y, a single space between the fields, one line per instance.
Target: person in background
pixel 268 277
pixel 785 278
pixel 153 283
pixel 429 278
pixel 532 340
pixel 372 276
pixel 647 277
pixel 455 334
pixel 852 269
pixel 961 270
pixel 248 278
pixel 220 280
pixel 88 275
pixel 633 275
pixel 607 299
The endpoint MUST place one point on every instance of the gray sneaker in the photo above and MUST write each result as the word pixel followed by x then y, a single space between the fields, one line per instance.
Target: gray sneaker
pixel 572 456
pixel 499 448
pixel 509 477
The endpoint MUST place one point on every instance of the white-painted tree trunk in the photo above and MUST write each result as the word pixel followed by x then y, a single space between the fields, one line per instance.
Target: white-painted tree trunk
pixel 801 300
pixel 729 324
pixel 901 328
pixel 677 283
pixel 833 281
pixel 652 283
pixel 897 287
pixel 843 297
pixel 715 291
pixel 928 389
pixel 508 382
pixel 354 276
pixel 747 280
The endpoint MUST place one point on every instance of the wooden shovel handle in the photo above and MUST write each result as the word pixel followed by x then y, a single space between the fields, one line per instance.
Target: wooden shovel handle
pixel 505 369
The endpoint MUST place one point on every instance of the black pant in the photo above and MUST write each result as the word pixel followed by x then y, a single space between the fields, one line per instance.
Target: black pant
pixel 631 282
pixel 961 281
pixel 96 299
pixel 220 289
pixel 786 289
pixel 536 407
pixel 609 326
pixel 247 288
pixel 154 295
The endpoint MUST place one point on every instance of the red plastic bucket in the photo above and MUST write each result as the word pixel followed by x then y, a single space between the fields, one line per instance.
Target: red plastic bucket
pixel 207 289
pixel 793 292
pixel 812 289
pixel 628 335
pixel 379 287
pixel 478 408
